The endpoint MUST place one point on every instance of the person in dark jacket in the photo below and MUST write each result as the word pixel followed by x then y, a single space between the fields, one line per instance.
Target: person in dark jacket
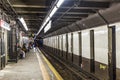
pixel 24 48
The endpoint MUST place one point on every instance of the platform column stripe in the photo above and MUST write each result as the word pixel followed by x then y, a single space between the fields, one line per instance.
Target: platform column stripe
pixel 58 76
pixel 112 52
pixel 43 69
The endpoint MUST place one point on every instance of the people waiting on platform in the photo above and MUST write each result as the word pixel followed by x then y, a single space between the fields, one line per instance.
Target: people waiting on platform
pixel 22 54
pixel 24 48
pixel 30 46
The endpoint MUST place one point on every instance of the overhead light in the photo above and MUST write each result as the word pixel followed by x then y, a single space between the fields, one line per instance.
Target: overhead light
pixel 48 18
pixel 47 27
pixel 53 11
pixel 59 3
pixel 50 14
pixel 56 7
pixel 41 27
pixel 23 23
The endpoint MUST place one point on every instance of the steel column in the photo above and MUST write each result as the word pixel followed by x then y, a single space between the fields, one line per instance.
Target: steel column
pixel 92 54
pixel 80 48
pixel 58 46
pixel 66 46
pixel 62 44
pixel 112 53
pixel 72 45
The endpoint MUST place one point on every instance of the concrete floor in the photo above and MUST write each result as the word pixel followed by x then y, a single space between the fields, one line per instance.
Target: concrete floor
pixel 33 67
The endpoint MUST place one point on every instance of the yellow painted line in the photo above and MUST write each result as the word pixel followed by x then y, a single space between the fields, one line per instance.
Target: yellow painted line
pixel 43 69
pixel 58 76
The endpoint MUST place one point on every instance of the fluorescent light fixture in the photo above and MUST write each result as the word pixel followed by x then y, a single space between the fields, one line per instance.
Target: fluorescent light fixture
pixel 47 27
pixel 53 11
pixel 23 23
pixel 48 18
pixel 50 14
pixel 59 3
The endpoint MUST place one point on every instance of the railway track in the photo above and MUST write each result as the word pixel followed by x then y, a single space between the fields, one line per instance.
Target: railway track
pixel 68 72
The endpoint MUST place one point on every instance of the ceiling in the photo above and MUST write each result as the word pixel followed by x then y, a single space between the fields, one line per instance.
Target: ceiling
pixel 34 11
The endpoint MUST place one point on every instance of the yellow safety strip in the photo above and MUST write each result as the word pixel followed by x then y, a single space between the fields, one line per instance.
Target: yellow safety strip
pixel 43 69
pixel 58 76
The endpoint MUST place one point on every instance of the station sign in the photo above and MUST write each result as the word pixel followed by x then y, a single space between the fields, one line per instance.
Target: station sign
pixel 4 25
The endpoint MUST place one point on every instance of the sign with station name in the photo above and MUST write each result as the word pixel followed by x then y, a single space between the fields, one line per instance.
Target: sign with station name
pixel 4 25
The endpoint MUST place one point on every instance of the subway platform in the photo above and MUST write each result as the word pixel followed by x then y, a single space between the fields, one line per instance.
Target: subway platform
pixel 34 67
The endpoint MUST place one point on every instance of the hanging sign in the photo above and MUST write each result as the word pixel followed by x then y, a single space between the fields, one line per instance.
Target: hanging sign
pixel 4 25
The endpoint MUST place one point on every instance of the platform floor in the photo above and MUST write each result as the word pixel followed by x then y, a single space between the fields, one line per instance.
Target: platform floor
pixel 34 67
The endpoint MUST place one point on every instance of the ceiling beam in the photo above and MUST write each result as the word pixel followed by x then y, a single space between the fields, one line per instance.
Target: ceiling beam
pixel 32 28
pixel 28 2
pixel 37 17
pixel 28 19
pixel 29 12
pixel 62 7
pixel 33 24
pixel 34 12
pixel 100 0
pixel 35 27
pixel 32 21
pixel 29 6
pixel 67 20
